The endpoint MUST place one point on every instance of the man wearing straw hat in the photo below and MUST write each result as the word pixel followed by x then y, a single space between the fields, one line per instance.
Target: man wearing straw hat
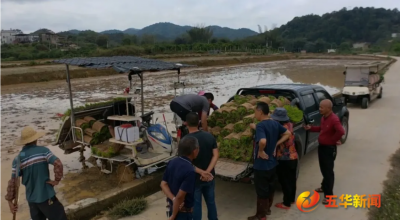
pixel 33 166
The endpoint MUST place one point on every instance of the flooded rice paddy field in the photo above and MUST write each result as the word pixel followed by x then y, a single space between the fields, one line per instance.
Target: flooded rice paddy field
pixel 37 104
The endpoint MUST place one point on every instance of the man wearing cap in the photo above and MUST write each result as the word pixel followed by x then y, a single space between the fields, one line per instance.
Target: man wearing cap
pixel 32 164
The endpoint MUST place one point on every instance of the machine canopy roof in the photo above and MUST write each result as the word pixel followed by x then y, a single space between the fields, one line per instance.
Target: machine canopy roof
pixel 122 64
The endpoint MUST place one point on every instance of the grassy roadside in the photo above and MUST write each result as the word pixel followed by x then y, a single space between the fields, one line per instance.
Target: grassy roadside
pixel 206 61
pixel 390 201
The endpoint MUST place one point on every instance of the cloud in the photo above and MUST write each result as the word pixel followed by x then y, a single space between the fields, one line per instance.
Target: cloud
pixel 99 15
pixel 26 1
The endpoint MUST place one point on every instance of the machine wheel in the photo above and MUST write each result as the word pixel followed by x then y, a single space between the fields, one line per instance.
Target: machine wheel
pixel 365 103
pixel 380 94
pixel 125 174
pixel 345 124
pixel 106 165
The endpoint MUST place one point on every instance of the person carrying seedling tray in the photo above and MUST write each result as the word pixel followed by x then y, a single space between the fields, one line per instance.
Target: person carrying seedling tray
pixel 182 105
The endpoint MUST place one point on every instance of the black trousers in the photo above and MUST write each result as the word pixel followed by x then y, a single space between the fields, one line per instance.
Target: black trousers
pixel 179 110
pixel 51 209
pixel 264 182
pixel 287 171
pixel 326 157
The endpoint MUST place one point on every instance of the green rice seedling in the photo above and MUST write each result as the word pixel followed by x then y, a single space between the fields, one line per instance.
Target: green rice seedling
pixel 239 127
pixel 295 114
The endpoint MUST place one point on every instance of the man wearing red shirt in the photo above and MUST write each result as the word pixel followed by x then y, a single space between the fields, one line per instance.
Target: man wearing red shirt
pixel 330 133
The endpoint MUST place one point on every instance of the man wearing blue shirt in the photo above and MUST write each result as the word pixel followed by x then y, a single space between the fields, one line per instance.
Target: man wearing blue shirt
pixel 179 180
pixel 269 134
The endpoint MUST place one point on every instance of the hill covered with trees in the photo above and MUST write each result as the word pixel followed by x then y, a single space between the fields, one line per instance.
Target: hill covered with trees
pixel 166 31
pixel 338 29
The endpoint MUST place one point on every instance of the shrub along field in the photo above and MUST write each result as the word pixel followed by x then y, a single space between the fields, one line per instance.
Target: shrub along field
pixel 390 200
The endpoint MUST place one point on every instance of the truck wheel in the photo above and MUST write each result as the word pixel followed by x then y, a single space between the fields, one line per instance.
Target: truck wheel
pixel 364 103
pixel 299 149
pixel 345 124
pixel 380 94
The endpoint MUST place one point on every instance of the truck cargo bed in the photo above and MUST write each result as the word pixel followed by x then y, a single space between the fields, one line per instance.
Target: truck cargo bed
pixel 232 170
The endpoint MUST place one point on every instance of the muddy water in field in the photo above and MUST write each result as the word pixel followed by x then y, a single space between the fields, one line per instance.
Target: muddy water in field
pixel 37 104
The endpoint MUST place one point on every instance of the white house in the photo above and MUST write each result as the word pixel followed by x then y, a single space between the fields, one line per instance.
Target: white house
pixel 395 35
pixel 331 50
pixel 33 38
pixel 8 36
pixel 362 46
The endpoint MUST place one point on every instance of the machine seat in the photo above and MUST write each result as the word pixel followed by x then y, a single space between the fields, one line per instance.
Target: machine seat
pixel 147 117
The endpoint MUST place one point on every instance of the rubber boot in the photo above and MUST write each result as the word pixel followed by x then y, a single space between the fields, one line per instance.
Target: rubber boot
pixel 258 214
pixel 264 203
pixel 270 200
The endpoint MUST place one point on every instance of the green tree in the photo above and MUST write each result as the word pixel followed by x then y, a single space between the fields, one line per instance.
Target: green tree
pixel 184 39
pixel 396 48
pixel 147 39
pixel 102 41
pixel 126 41
pixel 88 36
pixel 310 47
pixel 345 47
pixel 200 34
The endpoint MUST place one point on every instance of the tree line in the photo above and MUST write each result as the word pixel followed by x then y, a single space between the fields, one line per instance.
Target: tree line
pixel 313 33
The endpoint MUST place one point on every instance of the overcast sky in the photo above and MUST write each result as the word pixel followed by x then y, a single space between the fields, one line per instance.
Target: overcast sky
pixel 100 15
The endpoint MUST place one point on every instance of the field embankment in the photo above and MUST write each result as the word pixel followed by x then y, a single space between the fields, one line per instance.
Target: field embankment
pixel 390 200
pixel 42 71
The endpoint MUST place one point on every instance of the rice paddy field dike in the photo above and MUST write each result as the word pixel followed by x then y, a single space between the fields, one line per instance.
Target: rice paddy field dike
pixel 37 104
pixel 15 72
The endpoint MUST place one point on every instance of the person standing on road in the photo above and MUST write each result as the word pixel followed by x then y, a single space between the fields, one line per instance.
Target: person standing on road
pixel 179 180
pixel 204 163
pixel 330 133
pixel 287 157
pixel 182 105
pixel 33 165
pixel 268 134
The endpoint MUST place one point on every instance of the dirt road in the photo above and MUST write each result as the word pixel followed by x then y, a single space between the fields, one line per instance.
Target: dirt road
pixel 360 167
